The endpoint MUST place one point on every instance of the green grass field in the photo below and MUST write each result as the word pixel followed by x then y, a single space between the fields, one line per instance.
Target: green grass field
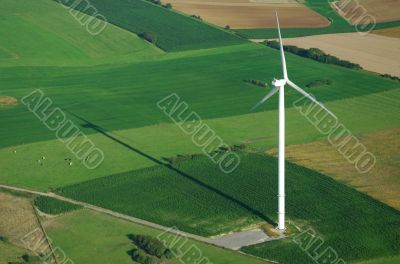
pixel 389 260
pixel 103 239
pixel 109 85
pixel 338 24
pixel 257 130
pixel 4 54
pixel 125 96
pixel 41 33
pixel 173 31
pixel 11 254
pixel 355 225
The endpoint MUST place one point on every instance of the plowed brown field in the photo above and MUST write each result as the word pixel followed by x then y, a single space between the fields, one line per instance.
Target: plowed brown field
pixel 373 52
pixel 381 10
pixel 388 32
pixel 251 13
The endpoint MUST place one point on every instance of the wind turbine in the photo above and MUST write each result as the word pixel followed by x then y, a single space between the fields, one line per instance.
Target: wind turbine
pixel 279 86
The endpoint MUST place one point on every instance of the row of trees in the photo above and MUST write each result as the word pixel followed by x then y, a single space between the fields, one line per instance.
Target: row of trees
pixel 394 78
pixel 315 54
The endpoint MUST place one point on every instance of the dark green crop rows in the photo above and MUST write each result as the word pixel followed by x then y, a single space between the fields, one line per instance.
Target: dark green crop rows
pixel 173 31
pixel 53 206
pixel 197 197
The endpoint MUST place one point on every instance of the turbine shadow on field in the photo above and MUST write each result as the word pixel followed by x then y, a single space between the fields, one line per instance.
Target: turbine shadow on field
pixel 103 131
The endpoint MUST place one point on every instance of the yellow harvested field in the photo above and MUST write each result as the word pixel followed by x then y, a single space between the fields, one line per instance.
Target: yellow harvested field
pixel 251 13
pixel 382 182
pixel 373 52
pixel 357 11
pixel 388 32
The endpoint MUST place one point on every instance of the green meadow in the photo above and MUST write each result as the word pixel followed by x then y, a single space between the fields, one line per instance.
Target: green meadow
pixel 256 130
pixel 125 96
pixel 338 24
pixel 11 254
pixel 88 237
pixel 109 85
pixel 173 31
pixel 42 33
pixel 196 196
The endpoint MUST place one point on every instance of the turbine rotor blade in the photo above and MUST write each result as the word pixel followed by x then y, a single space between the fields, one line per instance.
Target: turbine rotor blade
pixel 265 98
pixel 304 93
pixel 283 59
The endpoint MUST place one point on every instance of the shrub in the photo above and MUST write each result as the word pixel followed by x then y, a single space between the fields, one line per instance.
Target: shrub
pixel 227 27
pixel 197 17
pixel 150 37
pixel 151 246
pixel 257 83
pixel 168 6
pixel 31 259
pixel 319 83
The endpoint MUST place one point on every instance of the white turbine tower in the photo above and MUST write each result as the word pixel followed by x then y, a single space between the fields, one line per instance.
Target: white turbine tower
pixel 279 86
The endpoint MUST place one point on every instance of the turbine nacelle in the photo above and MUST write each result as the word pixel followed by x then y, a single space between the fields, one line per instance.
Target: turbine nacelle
pixel 279 83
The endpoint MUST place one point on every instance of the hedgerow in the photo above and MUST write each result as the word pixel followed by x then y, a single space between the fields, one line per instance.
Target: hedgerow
pixel 314 54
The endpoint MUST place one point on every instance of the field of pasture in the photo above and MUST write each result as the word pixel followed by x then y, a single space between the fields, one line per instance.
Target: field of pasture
pixel 125 96
pixel 109 84
pixel 41 33
pixel 172 31
pixel 257 130
pixel 103 239
pixel 344 217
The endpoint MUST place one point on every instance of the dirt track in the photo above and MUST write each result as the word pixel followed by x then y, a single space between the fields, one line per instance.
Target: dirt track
pixel 251 13
pixel 373 52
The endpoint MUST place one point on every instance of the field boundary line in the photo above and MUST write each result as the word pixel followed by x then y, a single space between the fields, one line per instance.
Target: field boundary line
pixel 44 232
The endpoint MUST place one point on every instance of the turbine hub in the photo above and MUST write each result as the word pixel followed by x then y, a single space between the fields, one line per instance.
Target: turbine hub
pixel 278 83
